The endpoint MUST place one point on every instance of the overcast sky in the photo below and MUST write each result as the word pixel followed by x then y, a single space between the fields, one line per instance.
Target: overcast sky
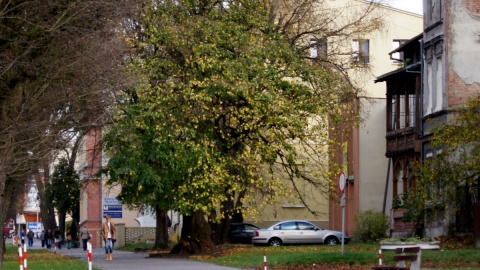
pixel 414 6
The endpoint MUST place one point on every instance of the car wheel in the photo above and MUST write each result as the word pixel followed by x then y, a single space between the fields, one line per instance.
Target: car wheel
pixel 275 242
pixel 331 240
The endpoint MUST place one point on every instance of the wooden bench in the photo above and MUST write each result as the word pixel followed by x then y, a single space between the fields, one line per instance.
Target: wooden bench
pixel 405 254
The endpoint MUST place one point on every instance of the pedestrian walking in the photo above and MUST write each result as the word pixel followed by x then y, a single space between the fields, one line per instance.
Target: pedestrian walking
pixel 22 237
pixel 85 236
pixel 42 238
pixel 30 236
pixel 49 238
pixel 109 234
pixel 69 240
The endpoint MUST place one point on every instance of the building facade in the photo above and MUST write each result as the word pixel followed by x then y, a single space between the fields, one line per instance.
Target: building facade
pixel 403 129
pixel 450 75
pixel 363 152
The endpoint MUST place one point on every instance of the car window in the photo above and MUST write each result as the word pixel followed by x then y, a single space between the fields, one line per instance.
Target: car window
pixel 277 227
pixel 236 228
pixel 250 227
pixel 305 226
pixel 288 226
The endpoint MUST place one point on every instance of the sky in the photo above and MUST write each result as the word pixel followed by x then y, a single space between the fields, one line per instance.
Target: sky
pixel 414 6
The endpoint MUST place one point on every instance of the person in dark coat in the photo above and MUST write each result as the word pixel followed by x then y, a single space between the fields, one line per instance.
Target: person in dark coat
pixel 50 238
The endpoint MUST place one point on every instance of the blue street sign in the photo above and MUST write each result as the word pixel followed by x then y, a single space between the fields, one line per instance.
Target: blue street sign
pixel 112 207
pixel 112 214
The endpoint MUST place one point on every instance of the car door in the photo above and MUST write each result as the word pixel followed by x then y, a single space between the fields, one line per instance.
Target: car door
pixel 249 232
pixel 289 233
pixel 236 233
pixel 309 233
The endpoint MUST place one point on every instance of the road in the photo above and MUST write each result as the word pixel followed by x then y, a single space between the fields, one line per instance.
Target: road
pixel 123 260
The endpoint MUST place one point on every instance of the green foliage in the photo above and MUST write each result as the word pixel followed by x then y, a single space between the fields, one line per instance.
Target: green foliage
pixel 223 101
pixel 63 191
pixel 371 226
pixel 455 163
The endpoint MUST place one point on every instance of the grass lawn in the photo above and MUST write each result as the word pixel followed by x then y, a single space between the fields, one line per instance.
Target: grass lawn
pixel 356 256
pixel 41 260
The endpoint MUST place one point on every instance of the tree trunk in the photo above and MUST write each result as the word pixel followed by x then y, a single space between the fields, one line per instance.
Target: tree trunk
pixel 231 209
pixel 476 224
pixel 3 212
pixel 61 223
pixel 161 233
pixel 74 229
pixel 196 235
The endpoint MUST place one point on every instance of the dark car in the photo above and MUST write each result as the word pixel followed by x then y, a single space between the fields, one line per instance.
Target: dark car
pixel 241 232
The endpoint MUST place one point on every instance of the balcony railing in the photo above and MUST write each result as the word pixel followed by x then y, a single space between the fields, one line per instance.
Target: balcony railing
pixel 402 140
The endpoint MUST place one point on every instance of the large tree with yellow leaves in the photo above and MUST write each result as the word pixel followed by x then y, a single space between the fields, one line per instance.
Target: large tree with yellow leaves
pixel 228 107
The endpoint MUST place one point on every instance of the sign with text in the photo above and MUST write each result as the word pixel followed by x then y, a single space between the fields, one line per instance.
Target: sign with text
pixel 112 214
pixel 112 207
pixel 34 226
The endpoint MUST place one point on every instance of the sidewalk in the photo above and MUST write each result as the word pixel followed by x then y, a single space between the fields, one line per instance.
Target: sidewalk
pixel 123 260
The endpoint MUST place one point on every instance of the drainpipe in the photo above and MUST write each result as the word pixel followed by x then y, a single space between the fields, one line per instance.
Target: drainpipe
pixel 422 155
pixel 386 187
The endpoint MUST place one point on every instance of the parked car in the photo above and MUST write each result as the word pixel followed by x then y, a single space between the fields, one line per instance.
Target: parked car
pixel 241 232
pixel 296 232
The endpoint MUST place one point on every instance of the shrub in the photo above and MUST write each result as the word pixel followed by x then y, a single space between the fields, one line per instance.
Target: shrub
pixel 371 226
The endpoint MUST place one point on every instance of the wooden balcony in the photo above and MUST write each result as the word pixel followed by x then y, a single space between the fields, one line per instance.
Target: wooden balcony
pixel 402 140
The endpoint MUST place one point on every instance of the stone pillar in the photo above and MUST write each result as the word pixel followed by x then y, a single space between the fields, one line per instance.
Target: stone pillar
pixel 121 235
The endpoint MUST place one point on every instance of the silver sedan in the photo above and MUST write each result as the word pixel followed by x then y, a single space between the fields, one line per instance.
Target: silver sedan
pixel 296 232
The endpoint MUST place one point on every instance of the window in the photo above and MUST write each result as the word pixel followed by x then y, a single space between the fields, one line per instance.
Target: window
pixel 361 51
pixel 305 226
pixel 288 226
pixel 318 48
pixel 397 57
pixel 402 110
pixel 411 110
pixel 393 113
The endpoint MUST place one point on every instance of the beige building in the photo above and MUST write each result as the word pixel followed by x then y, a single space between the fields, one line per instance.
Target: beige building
pixel 364 151
pixel 367 165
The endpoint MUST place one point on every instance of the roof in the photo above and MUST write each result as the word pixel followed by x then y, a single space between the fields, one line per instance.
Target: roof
pixel 409 68
pixel 412 41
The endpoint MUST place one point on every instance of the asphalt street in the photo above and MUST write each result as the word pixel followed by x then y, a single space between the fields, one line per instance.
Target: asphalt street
pixel 123 260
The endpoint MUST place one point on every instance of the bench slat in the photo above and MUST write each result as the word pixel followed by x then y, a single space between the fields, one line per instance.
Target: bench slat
pixel 405 258
pixel 390 268
pixel 407 250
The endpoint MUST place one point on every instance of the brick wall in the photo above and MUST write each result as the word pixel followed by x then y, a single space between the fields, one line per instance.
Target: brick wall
pixel 459 91
pixel 473 6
